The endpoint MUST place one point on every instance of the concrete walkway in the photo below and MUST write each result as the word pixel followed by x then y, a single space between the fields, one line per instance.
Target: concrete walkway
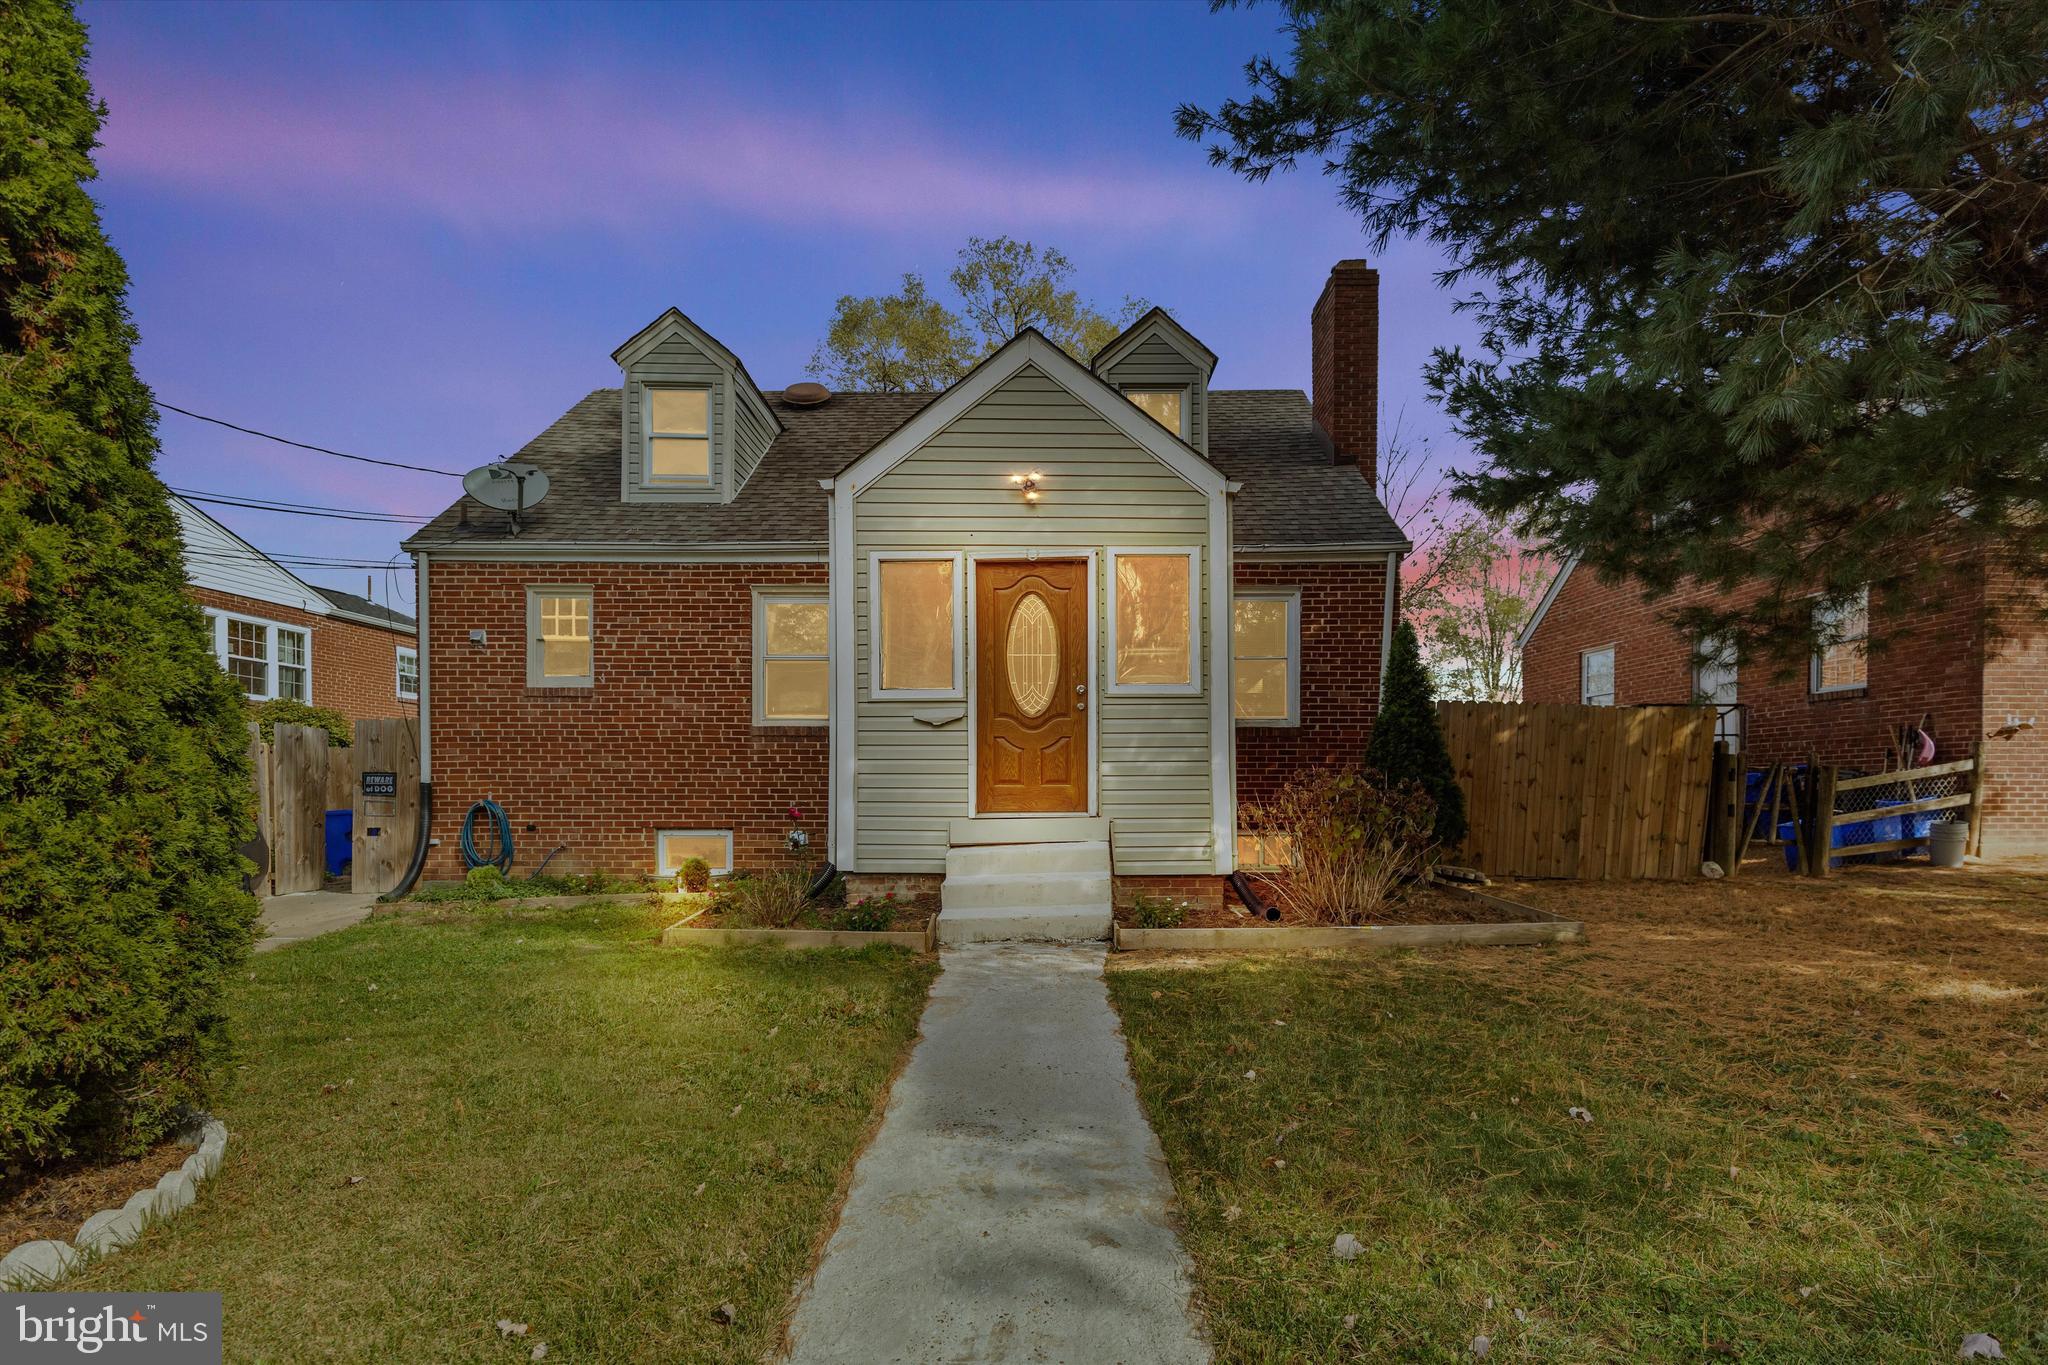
pixel 1014 1205
pixel 308 914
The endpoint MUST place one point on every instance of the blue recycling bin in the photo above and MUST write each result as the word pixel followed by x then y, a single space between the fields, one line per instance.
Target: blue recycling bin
pixel 341 833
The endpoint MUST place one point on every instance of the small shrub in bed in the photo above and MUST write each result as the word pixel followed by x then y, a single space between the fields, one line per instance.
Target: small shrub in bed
pixel 868 915
pixel 1357 842
pixel 696 875
pixel 766 900
pixel 1159 912
pixel 485 880
pixel 1407 744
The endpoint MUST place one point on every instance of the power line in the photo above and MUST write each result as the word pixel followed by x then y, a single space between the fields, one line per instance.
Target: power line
pixel 318 450
pixel 207 555
pixel 298 509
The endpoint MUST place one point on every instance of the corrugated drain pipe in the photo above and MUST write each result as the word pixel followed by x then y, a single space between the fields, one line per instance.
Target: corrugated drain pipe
pixel 419 843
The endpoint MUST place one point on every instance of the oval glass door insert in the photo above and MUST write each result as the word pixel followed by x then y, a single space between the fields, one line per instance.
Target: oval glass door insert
pixel 1033 655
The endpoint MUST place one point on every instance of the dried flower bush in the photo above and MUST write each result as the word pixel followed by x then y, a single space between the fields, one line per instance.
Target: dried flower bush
pixel 1357 843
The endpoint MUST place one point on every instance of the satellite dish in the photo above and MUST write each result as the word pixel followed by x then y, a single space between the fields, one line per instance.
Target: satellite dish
pixel 510 486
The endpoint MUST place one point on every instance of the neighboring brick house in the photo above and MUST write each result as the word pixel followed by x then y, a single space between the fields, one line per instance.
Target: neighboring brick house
pixel 279 636
pixel 1977 664
pixel 1056 602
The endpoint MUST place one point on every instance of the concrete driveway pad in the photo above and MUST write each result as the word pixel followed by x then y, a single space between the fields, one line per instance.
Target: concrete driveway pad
pixel 1015 1205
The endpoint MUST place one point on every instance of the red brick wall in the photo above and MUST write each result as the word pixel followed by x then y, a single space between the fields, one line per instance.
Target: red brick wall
pixel 1344 364
pixel 1942 663
pixel 1201 892
pixel 2015 689
pixel 664 739
pixel 355 667
pixel 1342 616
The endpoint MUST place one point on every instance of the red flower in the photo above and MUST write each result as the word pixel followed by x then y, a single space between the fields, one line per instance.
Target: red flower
pixel 888 895
pixel 795 814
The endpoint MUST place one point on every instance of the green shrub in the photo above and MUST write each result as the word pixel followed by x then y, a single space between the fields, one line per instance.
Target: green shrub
pixel 1159 912
pixel 1407 744
pixel 767 900
pixel 488 877
pixel 341 731
pixel 696 875
pixel 869 914
pixel 124 781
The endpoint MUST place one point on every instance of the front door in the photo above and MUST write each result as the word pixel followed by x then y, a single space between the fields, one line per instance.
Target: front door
pixel 1031 686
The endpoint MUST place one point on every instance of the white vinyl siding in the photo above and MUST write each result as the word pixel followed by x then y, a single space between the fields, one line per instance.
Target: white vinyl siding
pixel 1155 364
pixel 913 768
pixel 677 356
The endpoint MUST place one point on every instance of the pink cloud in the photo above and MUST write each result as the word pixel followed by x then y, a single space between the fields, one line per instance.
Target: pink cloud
pixel 579 153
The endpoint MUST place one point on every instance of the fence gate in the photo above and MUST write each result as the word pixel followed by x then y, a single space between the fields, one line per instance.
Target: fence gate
pixel 1592 792
pixel 387 802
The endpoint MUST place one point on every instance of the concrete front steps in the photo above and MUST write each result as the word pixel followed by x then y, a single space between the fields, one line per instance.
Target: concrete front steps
pixel 1045 879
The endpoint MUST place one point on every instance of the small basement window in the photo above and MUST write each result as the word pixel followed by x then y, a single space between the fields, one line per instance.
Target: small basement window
pixel 918 602
pixel 1168 407
pixel 408 674
pixel 674 847
pixel 1152 622
pixel 1842 663
pixel 1596 677
pixel 792 663
pixel 678 436
pixel 558 623
pixel 1264 852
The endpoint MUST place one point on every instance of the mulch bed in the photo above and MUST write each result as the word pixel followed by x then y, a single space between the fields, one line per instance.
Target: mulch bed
pixel 55 1202
pixel 1421 905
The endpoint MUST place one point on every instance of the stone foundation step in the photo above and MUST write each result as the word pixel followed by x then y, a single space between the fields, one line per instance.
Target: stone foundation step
pixel 1046 923
pixel 1025 890
pixel 1029 829
pixel 986 860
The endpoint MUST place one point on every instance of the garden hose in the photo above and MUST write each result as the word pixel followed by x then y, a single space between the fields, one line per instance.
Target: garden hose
pixel 502 860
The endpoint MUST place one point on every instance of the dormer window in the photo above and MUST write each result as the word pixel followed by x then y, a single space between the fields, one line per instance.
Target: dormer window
pixel 1168 407
pixel 678 437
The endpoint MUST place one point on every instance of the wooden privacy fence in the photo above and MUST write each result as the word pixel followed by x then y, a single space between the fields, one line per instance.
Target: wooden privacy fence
pixel 299 778
pixel 387 802
pixel 1591 792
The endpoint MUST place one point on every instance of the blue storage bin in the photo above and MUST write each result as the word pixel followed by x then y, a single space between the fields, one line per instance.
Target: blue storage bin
pixel 1879 829
pixel 341 833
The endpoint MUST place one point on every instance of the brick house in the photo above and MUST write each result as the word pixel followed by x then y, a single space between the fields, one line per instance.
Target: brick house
pixel 282 637
pixel 1084 605
pixel 1976 664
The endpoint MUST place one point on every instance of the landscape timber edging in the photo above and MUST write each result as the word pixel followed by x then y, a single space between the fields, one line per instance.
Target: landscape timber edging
pixel 45 1262
pixel 1533 926
pixel 917 940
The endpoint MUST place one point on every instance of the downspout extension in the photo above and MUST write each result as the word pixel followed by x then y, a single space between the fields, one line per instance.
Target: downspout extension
pixel 419 844
pixel 1387 616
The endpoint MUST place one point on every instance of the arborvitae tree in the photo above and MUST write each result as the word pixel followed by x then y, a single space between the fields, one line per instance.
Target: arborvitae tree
pixel 1407 744
pixel 1762 288
pixel 124 781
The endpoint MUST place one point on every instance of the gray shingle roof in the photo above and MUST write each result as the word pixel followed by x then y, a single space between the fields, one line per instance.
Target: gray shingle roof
pixel 364 607
pixel 1264 438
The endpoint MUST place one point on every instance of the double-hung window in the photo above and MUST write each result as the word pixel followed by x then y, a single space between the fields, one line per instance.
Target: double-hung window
pixel 1596 676
pixel 792 657
pixel 1152 624
pixel 408 673
pixel 1840 661
pixel 1168 407
pixel 559 642
pixel 917 607
pixel 1265 662
pixel 678 437
pixel 266 659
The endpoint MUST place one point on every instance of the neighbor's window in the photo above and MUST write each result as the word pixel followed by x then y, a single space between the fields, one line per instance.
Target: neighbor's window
pixel 1265 666
pixel 918 601
pixel 265 659
pixel 1842 663
pixel 1596 677
pixel 678 435
pixel 558 630
pixel 792 671
pixel 408 674
pixel 674 847
pixel 1152 621
pixel 1166 406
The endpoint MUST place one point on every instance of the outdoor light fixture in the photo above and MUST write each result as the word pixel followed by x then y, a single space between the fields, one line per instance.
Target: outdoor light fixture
pixel 1027 484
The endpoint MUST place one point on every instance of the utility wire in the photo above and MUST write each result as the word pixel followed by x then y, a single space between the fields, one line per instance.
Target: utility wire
pixel 318 450
pixel 297 509
pixel 213 556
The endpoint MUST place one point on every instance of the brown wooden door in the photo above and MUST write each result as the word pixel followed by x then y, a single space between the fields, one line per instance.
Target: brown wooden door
pixel 1031 687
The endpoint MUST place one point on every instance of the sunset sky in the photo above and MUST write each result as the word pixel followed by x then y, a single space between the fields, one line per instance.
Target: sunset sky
pixel 418 231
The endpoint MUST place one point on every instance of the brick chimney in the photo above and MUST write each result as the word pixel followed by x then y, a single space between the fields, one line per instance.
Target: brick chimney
pixel 1344 365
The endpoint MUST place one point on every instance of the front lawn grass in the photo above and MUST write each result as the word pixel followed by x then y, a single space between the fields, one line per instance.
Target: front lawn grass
pixel 555 1121
pixel 1816 1123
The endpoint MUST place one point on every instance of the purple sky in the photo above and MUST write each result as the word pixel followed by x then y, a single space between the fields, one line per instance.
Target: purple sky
pixel 417 232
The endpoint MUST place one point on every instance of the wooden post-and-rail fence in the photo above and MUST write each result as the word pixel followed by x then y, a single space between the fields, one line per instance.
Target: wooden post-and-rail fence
pixel 1590 792
pixel 300 776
